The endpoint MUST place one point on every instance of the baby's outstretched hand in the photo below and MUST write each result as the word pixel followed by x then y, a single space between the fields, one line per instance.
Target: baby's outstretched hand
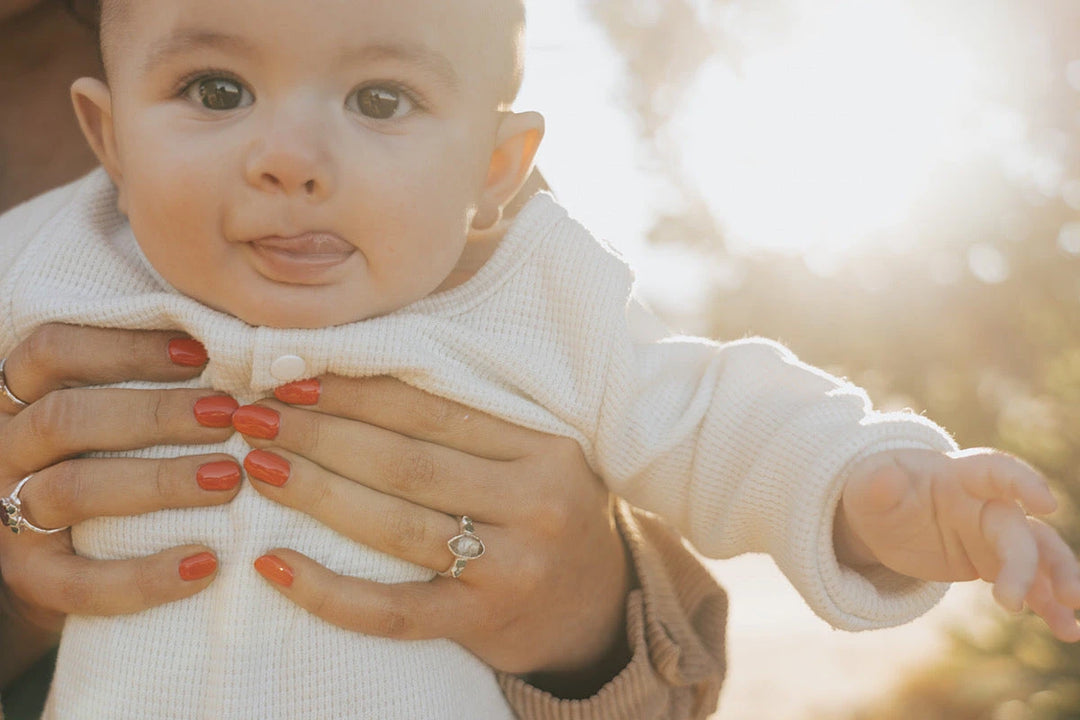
pixel 962 516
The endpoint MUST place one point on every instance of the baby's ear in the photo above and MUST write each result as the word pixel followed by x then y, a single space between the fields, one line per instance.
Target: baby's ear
pixel 93 107
pixel 517 141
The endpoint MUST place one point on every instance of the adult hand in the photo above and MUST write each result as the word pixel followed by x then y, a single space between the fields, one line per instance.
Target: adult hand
pixel 394 468
pixel 43 579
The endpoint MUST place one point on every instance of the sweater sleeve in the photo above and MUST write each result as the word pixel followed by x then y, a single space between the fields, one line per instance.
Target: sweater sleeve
pixel 675 623
pixel 745 449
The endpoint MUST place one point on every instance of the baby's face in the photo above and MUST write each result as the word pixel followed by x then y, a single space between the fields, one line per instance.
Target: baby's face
pixel 302 164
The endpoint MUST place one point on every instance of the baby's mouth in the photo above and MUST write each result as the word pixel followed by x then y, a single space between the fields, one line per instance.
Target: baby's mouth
pixel 314 245
pixel 300 259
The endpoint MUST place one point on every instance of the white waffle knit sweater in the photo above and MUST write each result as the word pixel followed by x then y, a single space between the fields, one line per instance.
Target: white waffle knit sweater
pixel 741 446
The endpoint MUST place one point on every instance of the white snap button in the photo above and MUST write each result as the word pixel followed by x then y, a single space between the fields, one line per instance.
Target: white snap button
pixel 288 368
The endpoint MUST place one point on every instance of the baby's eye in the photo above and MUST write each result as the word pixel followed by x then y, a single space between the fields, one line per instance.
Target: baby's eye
pixel 218 93
pixel 380 102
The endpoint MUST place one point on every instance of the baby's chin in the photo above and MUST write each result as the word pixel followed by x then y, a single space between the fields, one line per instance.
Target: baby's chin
pixel 295 308
pixel 299 319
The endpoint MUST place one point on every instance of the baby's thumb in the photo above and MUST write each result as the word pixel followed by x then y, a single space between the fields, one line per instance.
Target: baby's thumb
pixel 879 490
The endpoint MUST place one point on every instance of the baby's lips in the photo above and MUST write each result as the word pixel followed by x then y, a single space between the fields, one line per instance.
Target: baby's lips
pixel 313 243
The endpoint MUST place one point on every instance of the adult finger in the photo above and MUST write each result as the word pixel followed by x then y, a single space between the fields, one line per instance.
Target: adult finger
pixel 66 423
pixel 383 522
pixel 53 578
pixel 76 490
pixel 1006 529
pixel 60 356
pixel 402 611
pixel 391 404
pixel 423 472
pixel 991 475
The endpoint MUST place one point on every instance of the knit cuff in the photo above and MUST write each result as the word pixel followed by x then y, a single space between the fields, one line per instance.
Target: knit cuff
pixel 804 549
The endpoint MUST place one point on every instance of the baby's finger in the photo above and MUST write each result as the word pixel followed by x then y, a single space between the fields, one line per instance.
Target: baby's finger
pixel 70 584
pixel 1058 562
pixel 76 490
pixel 1060 618
pixel 402 611
pixel 991 475
pixel 61 356
pixel 1006 529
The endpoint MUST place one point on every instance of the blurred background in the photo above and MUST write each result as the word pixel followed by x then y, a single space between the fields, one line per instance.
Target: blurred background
pixel 892 188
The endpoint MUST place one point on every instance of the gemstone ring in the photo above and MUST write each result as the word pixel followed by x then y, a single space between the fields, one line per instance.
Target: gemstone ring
pixel 11 515
pixel 465 546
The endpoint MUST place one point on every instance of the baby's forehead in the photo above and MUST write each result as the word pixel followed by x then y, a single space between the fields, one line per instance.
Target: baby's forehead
pixel 484 38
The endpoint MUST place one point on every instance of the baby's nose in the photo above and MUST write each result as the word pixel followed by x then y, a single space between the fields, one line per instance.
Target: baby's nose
pixel 292 163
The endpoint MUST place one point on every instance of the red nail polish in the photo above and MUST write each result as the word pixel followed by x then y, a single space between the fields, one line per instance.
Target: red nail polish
pixel 257 421
pixel 215 411
pixel 301 392
pixel 198 566
pixel 275 570
pixel 187 352
pixel 267 467
pixel 223 475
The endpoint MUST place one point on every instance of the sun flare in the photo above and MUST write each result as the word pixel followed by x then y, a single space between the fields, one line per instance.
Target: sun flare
pixel 820 141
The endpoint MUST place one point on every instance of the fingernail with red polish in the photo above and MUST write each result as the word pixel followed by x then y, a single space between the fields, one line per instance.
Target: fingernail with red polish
pixel 257 421
pixel 187 352
pixel 301 392
pixel 198 566
pixel 215 411
pixel 267 467
pixel 275 570
pixel 223 475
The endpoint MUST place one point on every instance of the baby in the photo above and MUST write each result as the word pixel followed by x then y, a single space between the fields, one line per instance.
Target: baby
pixel 312 188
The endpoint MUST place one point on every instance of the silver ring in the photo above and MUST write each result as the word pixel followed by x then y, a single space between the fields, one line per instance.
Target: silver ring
pixel 11 513
pixel 465 546
pixel 6 391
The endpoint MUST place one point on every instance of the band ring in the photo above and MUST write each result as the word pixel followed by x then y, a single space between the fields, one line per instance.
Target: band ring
pixel 11 513
pixel 465 546
pixel 6 391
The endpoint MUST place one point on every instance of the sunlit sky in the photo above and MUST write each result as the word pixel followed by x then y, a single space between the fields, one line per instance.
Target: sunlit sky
pixel 824 140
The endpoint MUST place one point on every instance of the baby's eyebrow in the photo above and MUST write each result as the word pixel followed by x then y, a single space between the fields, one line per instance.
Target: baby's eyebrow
pixel 186 40
pixel 420 56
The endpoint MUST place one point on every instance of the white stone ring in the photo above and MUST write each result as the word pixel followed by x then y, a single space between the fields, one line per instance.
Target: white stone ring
pixel 12 517
pixel 465 546
pixel 6 391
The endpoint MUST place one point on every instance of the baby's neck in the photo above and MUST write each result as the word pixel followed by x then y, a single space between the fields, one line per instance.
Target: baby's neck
pixel 478 250
pixel 482 244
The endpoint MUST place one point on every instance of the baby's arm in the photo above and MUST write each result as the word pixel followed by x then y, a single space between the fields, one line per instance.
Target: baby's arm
pixel 745 449
pixel 961 516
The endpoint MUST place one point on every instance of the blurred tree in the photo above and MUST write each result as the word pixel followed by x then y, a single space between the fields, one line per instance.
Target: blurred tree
pixel 978 325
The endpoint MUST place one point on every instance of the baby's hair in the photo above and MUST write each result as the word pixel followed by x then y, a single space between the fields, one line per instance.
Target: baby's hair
pixel 95 14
